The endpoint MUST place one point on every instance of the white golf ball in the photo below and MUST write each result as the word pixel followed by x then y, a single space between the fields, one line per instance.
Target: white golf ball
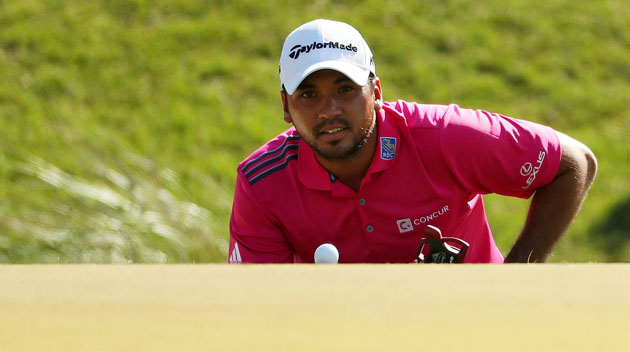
pixel 326 254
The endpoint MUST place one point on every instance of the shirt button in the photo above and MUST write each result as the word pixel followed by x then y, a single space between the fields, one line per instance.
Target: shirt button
pixel 370 228
pixel 362 201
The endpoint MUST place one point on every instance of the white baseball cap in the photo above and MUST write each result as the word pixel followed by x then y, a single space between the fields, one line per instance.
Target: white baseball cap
pixel 325 44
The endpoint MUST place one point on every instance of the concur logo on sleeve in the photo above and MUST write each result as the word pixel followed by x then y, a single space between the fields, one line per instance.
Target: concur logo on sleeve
pixel 295 52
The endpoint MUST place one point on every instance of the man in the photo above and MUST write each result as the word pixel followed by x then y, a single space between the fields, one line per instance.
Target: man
pixel 368 176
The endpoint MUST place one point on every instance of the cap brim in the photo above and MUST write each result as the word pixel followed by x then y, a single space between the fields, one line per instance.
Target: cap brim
pixel 357 74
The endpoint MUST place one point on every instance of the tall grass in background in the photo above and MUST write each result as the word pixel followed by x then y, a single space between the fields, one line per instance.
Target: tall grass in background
pixel 122 122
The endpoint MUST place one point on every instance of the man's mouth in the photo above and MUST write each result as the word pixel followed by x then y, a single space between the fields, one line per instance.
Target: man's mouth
pixel 334 130
pixel 332 134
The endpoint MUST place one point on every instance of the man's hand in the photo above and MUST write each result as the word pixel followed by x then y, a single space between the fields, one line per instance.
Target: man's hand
pixel 554 206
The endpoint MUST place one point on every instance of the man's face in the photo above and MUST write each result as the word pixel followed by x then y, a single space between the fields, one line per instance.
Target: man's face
pixel 334 115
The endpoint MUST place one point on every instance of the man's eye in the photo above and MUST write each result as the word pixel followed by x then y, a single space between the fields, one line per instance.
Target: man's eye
pixel 308 94
pixel 346 89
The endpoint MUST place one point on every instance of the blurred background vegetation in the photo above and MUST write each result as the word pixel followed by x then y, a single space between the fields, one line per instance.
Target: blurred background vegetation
pixel 122 122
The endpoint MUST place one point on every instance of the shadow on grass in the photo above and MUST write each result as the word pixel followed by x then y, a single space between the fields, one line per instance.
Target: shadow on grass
pixel 613 233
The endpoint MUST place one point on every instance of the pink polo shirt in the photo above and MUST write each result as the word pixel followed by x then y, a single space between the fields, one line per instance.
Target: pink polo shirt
pixel 431 165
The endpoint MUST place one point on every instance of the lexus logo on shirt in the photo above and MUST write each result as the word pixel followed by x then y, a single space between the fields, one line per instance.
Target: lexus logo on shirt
pixel 530 171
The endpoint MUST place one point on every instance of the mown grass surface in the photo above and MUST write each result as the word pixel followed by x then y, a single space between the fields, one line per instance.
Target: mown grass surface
pixel 559 307
pixel 121 122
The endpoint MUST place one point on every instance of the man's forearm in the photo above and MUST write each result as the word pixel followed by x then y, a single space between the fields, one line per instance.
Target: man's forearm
pixel 554 206
pixel 548 219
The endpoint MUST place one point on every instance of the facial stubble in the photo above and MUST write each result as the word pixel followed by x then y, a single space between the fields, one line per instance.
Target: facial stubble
pixel 353 149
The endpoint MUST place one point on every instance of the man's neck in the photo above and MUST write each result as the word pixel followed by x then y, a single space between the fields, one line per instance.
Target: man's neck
pixel 351 172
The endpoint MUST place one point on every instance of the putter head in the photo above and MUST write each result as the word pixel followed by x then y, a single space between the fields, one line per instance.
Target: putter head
pixel 441 249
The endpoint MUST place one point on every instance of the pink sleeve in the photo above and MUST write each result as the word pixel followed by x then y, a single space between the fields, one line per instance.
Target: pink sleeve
pixel 492 153
pixel 253 236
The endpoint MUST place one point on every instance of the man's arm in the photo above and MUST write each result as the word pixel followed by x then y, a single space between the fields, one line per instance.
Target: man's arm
pixel 554 206
pixel 254 235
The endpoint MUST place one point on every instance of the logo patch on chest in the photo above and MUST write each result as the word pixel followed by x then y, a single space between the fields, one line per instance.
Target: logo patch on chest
pixel 388 148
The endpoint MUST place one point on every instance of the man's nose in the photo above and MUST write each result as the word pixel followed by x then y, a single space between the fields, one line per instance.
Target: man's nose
pixel 330 108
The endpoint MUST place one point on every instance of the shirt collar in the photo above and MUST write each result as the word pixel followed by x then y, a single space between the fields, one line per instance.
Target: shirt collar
pixel 312 174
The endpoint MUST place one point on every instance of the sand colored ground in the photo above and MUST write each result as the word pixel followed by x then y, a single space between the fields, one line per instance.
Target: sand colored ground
pixel 315 308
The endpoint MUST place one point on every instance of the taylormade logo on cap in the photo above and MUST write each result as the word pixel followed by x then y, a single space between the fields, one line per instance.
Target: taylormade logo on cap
pixel 324 44
pixel 296 50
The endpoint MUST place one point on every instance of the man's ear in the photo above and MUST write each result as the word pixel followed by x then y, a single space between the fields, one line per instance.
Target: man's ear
pixel 285 106
pixel 378 94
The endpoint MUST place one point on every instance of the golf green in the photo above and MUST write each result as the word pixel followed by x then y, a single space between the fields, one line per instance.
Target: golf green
pixel 536 307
